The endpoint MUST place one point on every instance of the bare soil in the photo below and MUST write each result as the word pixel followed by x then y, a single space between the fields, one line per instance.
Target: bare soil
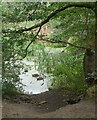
pixel 51 104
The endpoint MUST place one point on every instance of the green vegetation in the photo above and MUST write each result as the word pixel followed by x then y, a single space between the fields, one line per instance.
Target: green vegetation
pixel 58 35
pixel 8 88
pixel 66 67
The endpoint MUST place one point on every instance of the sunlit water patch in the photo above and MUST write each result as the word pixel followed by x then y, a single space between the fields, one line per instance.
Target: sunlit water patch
pixel 31 84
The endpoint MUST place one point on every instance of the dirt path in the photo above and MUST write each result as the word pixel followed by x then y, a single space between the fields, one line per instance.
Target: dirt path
pixel 47 105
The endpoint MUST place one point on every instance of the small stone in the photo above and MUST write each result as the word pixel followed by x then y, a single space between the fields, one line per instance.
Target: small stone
pixel 42 84
pixel 42 102
pixel 35 75
pixel 40 78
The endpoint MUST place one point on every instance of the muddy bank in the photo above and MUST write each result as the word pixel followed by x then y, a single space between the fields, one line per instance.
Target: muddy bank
pixel 45 102
pixel 51 104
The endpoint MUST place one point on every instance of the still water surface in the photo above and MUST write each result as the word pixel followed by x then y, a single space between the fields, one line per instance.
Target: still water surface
pixel 32 85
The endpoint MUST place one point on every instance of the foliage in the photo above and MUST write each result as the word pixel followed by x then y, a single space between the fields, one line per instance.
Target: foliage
pixel 92 91
pixel 19 12
pixel 8 88
pixel 43 58
pixel 70 25
pixel 66 68
pixel 73 23
pixel 69 75
pixel 10 78
pixel 10 66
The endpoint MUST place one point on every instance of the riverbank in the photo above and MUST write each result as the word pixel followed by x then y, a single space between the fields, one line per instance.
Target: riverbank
pixel 51 104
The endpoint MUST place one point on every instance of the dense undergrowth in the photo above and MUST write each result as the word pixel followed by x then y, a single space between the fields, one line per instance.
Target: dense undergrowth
pixel 11 82
pixel 65 66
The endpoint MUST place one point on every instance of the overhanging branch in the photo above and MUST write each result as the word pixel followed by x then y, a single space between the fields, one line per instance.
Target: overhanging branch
pixel 31 42
pixel 59 41
pixel 47 20
pixel 51 15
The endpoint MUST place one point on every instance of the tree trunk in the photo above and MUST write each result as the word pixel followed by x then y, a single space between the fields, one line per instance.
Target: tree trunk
pixel 89 66
pixel 90 59
pixel 96 40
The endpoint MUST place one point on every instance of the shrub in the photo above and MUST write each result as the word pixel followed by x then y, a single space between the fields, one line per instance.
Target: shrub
pixel 8 88
pixel 69 75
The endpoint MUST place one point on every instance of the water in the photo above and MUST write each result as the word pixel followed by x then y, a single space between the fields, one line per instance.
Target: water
pixel 32 85
pixel 54 50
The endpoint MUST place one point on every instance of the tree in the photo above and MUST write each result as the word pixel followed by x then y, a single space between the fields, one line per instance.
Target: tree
pixel 50 15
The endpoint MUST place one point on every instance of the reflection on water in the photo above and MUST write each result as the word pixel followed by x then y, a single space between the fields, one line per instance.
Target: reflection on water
pixel 32 85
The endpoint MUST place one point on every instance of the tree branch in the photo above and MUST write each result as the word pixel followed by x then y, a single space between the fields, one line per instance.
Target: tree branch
pixel 51 15
pixel 47 20
pixel 31 42
pixel 59 41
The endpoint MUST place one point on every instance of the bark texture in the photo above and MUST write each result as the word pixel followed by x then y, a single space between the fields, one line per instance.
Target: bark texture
pixel 89 66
